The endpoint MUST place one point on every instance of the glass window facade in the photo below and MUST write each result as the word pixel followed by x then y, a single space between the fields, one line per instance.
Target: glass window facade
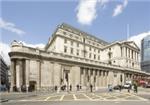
pixel 145 51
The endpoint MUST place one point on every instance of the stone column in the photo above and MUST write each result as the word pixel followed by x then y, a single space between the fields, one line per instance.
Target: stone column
pixel 110 77
pixel 12 68
pixel 97 79
pixel 127 52
pixel 18 76
pixel 124 51
pixel 27 69
pixel 100 78
pixel 105 79
pixel 92 77
pixel 39 74
pixel 75 72
pixel 57 74
pixel 82 77
pixel 89 75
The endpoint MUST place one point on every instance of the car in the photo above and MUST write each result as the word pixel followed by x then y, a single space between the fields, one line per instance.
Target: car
pixel 147 86
pixel 117 87
pixel 127 86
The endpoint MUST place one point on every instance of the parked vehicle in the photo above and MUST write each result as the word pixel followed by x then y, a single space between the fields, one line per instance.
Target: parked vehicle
pixel 127 86
pixel 147 86
pixel 117 87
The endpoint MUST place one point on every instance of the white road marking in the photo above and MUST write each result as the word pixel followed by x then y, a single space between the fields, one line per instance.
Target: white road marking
pixel 47 98
pixel 100 97
pixel 87 97
pixel 62 97
pixel 74 96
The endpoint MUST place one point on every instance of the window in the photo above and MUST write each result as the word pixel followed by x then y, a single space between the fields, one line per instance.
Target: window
pixel 94 50
pixel 71 35
pixel 121 51
pixel 109 62
pixel 89 55
pixel 96 72
pixel 94 56
pixel 81 71
pixel 98 51
pixel 77 44
pixel 132 64
pixel 99 57
pixel 132 54
pixel 99 73
pixel 103 73
pixel 64 33
pixel 91 72
pixel 76 37
pixel 65 49
pixel 115 74
pixel 71 51
pixel 77 52
pixel 71 43
pixel 65 41
pixel 90 48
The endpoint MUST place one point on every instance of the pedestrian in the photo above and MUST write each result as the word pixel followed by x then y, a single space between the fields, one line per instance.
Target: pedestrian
pixel 136 88
pixel 120 88
pixel 8 88
pixel 70 87
pixel 77 87
pixel 129 88
pixel 91 87
pixel 55 88
pixel 109 88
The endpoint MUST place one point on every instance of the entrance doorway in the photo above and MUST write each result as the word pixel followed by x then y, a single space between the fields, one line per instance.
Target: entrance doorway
pixel 32 86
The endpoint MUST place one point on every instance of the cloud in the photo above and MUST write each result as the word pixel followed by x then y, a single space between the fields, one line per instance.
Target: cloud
pixel 10 27
pixel 87 12
pixel 119 8
pixel 5 49
pixel 138 38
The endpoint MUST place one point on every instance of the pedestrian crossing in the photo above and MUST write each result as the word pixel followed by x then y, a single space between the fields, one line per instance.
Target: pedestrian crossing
pixel 88 97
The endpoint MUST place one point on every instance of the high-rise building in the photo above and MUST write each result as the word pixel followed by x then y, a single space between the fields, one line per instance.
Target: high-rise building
pixel 4 81
pixel 145 54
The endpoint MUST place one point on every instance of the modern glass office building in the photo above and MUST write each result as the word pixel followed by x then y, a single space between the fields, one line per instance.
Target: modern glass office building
pixel 145 54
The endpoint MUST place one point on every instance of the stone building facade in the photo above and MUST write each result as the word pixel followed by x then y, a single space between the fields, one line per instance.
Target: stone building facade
pixel 73 57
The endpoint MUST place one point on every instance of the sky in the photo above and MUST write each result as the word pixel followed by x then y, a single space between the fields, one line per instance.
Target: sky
pixel 34 21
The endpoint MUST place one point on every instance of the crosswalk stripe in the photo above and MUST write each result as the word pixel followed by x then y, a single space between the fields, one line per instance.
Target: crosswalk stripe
pixel 87 97
pixel 62 97
pixel 74 96
pixel 47 98
pixel 100 97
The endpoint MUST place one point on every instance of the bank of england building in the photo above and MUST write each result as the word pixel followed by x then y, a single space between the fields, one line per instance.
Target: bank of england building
pixel 74 58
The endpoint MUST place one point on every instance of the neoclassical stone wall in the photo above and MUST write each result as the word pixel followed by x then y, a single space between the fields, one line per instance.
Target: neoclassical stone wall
pixel 42 71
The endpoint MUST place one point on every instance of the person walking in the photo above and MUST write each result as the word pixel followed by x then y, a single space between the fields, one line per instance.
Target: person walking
pixel 91 88
pixel 136 88
pixel 70 87
pixel 77 87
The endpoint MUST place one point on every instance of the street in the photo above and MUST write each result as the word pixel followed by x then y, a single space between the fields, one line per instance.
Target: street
pixel 80 98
